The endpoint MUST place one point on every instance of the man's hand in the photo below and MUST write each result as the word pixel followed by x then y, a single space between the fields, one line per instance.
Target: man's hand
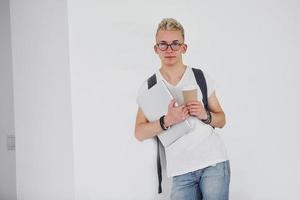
pixel 176 114
pixel 196 109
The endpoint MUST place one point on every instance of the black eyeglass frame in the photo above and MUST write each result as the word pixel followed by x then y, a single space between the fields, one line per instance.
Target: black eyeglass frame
pixel 169 45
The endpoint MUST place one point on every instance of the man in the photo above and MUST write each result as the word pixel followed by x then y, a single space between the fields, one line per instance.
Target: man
pixel 197 162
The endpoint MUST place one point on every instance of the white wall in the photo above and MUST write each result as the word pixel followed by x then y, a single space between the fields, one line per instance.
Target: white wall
pixel 249 47
pixel 7 157
pixel 43 128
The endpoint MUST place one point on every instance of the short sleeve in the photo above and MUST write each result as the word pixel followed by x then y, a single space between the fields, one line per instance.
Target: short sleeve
pixel 211 85
pixel 142 89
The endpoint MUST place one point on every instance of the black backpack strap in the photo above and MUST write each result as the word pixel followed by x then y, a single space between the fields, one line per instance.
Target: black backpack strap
pixel 159 173
pixel 151 82
pixel 198 73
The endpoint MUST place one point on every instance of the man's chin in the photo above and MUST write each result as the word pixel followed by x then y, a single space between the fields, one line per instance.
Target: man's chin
pixel 169 63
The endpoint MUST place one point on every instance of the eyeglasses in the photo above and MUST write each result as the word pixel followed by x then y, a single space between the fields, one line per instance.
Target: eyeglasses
pixel 163 46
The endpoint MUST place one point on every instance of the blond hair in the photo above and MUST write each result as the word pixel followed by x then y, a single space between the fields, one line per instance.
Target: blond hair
pixel 170 24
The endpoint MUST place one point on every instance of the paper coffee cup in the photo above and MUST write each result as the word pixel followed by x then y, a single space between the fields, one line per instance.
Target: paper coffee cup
pixel 189 93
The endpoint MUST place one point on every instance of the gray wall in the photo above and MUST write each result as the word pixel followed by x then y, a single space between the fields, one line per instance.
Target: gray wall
pixel 41 75
pixel 7 157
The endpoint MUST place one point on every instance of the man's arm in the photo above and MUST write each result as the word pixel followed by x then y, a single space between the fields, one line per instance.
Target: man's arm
pixel 145 129
pixel 196 109
pixel 217 114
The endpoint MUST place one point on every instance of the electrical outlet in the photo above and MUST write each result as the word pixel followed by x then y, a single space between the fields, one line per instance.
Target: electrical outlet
pixel 11 142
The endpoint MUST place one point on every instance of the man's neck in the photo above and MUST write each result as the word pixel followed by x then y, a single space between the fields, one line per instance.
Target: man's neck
pixel 173 72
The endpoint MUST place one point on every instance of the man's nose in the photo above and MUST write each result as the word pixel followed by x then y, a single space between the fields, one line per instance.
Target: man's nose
pixel 169 49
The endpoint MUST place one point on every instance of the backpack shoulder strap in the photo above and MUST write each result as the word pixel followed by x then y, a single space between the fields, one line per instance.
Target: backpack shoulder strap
pixel 198 73
pixel 151 82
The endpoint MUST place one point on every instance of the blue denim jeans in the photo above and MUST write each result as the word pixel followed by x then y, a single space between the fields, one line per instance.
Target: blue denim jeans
pixel 210 183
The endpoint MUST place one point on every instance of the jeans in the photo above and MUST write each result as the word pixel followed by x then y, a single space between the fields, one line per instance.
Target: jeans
pixel 210 183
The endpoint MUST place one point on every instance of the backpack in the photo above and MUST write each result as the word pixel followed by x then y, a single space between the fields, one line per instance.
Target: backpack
pixel 200 79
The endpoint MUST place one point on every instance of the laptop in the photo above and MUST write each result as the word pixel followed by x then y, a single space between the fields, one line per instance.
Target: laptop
pixel 154 103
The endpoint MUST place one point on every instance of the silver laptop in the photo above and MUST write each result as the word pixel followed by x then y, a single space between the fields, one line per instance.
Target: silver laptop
pixel 154 103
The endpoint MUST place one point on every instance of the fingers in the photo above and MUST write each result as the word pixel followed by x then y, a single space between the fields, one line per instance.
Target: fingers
pixel 193 103
pixel 185 114
pixel 185 109
pixel 194 107
pixel 194 111
pixel 172 103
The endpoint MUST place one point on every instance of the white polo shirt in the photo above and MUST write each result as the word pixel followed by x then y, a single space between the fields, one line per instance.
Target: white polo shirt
pixel 202 146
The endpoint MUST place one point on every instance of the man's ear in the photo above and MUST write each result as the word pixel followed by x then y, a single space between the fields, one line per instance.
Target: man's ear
pixel 155 49
pixel 184 48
